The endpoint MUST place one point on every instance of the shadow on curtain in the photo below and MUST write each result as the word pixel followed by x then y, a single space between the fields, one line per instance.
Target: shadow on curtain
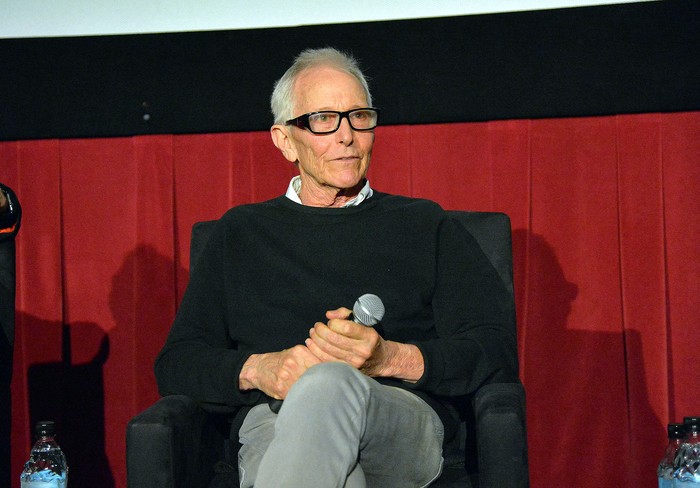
pixel 555 355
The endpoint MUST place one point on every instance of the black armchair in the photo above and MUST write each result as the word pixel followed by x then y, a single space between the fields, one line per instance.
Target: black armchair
pixel 177 443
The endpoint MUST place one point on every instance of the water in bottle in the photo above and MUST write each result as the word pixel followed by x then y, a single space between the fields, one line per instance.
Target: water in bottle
pixel 664 473
pixel 686 472
pixel 46 467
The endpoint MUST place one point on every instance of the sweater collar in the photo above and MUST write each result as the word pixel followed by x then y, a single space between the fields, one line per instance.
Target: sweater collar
pixel 294 189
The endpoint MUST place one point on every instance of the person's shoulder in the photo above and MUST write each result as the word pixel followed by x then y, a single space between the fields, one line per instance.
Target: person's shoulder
pixel 245 212
pixel 412 204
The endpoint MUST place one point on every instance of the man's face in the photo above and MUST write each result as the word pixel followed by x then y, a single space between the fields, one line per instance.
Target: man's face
pixel 328 163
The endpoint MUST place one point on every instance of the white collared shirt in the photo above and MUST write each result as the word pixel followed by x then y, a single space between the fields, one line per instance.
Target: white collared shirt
pixel 294 189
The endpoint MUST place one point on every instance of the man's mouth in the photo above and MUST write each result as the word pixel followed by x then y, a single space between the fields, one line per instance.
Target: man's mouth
pixel 347 158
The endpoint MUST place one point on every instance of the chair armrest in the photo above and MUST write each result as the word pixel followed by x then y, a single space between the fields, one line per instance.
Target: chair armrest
pixel 499 410
pixel 173 444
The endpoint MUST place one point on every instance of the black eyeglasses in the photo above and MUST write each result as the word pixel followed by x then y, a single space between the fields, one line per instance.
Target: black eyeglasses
pixel 328 121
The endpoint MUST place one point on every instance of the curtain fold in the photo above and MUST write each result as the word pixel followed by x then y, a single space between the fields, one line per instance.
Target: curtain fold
pixel 605 240
pixel 680 146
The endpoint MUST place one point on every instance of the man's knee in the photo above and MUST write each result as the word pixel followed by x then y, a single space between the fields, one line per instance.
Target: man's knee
pixel 327 383
pixel 332 372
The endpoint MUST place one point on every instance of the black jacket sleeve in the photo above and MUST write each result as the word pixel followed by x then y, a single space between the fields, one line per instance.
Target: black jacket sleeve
pixel 11 215
pixel 9 225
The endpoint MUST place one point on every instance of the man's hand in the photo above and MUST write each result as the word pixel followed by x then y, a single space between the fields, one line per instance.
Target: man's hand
pixel 344 340
pixel 274 373
pixel 3 202
pixel 363 348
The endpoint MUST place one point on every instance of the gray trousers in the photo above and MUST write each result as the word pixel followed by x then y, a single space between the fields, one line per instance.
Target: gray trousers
pixel 340 428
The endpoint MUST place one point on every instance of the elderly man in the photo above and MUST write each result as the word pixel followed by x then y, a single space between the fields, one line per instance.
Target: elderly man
pixel 266 314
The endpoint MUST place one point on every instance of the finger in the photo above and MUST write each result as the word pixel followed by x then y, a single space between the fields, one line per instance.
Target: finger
pixel 319 353
pixel 338 336
pixel 353 330
pixel 319 337
pixel 341 349
pixel 310 359
pixel 339 313
pixel 300 359
pixel 358 341
pixel 288 367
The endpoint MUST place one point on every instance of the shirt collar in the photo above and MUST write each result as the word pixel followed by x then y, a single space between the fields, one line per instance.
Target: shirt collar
pixel 295 187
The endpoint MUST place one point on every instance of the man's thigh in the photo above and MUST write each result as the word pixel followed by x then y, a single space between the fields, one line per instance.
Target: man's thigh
pixel 401 441
pixel 255 436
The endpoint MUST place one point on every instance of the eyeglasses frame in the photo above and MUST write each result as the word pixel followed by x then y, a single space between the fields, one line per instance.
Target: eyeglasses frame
pixel 302 121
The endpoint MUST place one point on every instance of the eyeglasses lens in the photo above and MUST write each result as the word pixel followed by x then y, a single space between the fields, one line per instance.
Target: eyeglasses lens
pixel 330 121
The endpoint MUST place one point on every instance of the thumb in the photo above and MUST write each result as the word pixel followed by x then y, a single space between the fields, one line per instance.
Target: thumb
pixel 339 313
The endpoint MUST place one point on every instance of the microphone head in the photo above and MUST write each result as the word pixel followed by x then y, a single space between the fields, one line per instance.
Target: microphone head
pixel 368 310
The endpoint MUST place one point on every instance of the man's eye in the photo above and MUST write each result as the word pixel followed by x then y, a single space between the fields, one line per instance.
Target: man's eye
pixel 323 117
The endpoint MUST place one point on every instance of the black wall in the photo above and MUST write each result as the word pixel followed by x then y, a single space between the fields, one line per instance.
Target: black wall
pixel 630 58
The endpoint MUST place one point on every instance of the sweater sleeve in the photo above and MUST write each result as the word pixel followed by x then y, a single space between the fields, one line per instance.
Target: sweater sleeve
pixel 10 214
pixel 474 319
pixel 199 359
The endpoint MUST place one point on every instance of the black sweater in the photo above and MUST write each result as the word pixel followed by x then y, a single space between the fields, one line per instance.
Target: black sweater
pixel 271 270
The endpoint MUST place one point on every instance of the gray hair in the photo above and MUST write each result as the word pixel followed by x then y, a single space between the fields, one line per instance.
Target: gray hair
pixel 282 100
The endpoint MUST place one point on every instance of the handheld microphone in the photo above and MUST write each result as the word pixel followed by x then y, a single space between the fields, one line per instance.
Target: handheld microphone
pixel 368 311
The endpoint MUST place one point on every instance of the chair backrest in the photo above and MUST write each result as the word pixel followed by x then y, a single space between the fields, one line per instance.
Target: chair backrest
pixel 492 231
pixel 200 234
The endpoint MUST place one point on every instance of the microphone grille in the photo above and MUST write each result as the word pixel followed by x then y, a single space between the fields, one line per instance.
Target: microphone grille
pixel 368 310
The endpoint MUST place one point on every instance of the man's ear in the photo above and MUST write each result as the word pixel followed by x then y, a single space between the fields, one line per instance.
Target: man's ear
pixel 281 139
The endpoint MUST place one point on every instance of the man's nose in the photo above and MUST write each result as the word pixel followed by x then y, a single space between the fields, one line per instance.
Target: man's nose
pixel 345 132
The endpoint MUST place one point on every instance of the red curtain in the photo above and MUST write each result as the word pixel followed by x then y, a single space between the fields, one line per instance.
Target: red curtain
pixel 607 264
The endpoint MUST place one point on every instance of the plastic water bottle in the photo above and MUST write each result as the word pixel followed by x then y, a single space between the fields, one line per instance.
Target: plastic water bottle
pixel 686 473
pixel 46 467
pixel 664 473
